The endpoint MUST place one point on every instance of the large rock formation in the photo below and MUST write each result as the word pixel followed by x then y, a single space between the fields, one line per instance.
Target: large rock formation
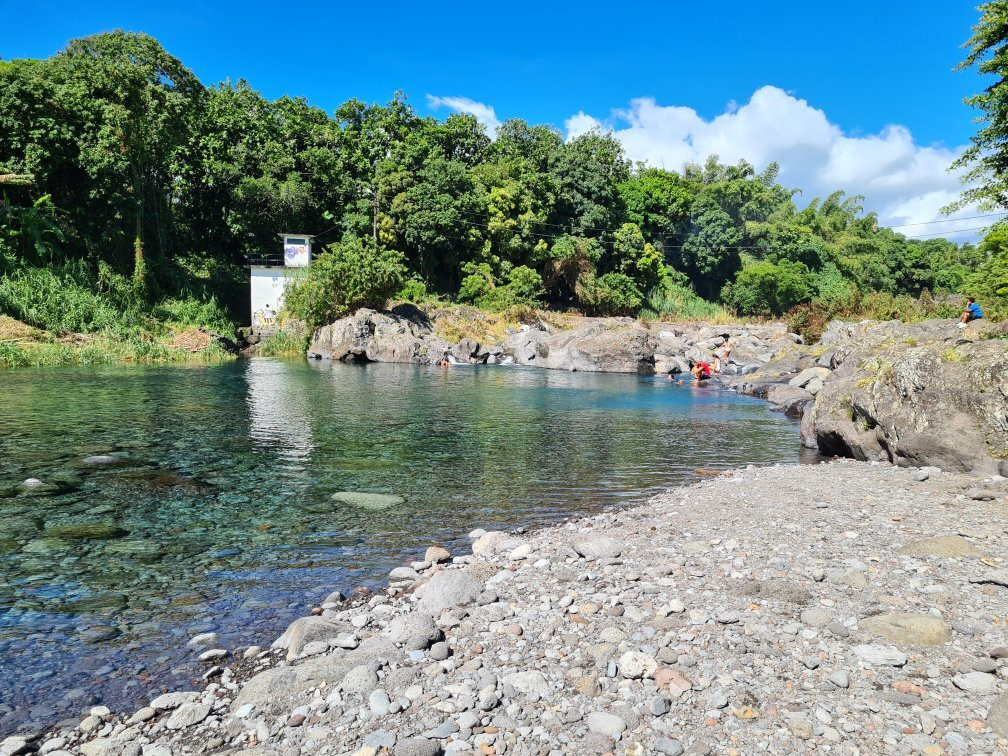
pixel 618 345
pixel 608 345
pixel 403 335
pixel 927 394
pixel 920 394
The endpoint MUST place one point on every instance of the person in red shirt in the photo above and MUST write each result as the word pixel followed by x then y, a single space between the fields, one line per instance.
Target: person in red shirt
pixel 701 371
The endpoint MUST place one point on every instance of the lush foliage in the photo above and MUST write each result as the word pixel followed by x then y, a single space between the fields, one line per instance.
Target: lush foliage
pixel 352 274
pixel 147 190
pixel 769 288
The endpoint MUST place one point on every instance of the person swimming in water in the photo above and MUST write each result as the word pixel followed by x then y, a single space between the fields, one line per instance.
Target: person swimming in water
pixel 444 361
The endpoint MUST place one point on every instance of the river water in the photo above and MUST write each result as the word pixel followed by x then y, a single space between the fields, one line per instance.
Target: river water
pixel 217 511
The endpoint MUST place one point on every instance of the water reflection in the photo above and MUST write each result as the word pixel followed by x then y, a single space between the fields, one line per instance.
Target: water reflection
pixel 278 414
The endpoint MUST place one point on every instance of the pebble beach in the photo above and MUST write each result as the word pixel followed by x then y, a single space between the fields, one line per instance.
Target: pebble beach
pixel 848 607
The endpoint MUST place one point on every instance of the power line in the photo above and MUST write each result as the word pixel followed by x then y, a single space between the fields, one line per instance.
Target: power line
pixel 948 220
pixel 949 231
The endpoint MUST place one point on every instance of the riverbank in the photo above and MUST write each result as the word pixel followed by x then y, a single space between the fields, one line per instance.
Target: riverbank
pixel 22 345
pixel 216 509
pixel 850 605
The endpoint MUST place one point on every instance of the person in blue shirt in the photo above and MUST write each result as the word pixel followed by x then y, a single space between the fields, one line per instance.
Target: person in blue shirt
pixel 972 312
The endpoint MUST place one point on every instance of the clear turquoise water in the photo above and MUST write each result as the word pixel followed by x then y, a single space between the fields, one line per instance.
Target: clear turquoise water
pixel 217 514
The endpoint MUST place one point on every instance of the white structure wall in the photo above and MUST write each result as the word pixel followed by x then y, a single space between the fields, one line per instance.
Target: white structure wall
pixel 268 284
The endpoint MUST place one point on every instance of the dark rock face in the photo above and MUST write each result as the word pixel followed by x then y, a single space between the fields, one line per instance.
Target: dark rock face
pixel 787 398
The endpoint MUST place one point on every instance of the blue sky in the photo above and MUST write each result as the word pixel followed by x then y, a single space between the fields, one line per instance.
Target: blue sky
pixel 657 73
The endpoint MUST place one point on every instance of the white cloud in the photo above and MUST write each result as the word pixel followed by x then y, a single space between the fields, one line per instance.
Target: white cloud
pixel 903 181
pixel 484 113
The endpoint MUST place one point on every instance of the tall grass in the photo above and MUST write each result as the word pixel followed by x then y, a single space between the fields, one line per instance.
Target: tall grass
pixel 284 344
pixel 672 301
pixel 194 313
pixel 105 310
pixel 100 351
pixel 61 300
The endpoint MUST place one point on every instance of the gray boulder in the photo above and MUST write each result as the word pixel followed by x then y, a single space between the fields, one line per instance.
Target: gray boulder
pixel 449 589
pixel 924 400
pixel 611 345
pixel 305 630
pixel 416 631
pixel 369 336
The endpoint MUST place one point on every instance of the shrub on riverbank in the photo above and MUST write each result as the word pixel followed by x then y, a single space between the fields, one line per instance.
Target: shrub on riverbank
pixel 284 344
pixel 810 319
pixel 350 275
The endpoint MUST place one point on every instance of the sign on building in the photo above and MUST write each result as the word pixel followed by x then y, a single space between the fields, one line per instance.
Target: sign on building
pixel 297 251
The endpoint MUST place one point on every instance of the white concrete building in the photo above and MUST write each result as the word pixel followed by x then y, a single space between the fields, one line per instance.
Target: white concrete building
pixel 270 276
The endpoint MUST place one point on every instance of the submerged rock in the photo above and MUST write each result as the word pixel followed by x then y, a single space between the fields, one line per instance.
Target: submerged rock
pixel 85 531
pixel 369 501
pixel 100 459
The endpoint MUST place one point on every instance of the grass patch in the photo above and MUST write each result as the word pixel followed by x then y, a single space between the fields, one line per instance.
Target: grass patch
pixel 953 355
pixel 675 302
pixel 78 314
pixel 102 351
pixel 284 344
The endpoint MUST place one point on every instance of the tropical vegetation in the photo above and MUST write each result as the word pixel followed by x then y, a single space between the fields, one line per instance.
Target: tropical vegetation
pixel 132 196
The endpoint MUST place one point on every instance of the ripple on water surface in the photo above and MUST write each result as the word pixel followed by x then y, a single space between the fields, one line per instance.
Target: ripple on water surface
pixel 177 500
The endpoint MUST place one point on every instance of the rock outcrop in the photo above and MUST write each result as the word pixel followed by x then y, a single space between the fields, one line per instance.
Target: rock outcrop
pixel 368 336
pixel 605 345
pixel 914 395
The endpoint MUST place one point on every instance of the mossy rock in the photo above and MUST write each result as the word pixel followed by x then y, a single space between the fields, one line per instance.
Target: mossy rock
pixel 96 603
pixel 85 531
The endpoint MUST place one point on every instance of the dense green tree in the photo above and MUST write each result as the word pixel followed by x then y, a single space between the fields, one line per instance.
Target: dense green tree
pixel 709 253
pixel 637 258
pixel 767 288
pixel 986 160
pixel 589 170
